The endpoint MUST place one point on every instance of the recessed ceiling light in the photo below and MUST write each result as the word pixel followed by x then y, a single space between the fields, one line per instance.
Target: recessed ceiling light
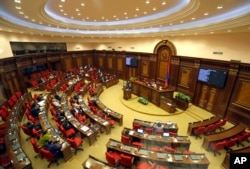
pixel 211 32
pixel 18 1
pixel 18 7
pixel 229 30
pixel 125 13
pixel 33 20
pixel 77 9
pixel 26 16
pixel 193 18
pixel 147 2
pixel 62 0
pixel 65 14
pixel 145 12
pixel 137 9
pixel 82 4
pixel 219 7
pixel 21 12
pixel 60 6
pixel 163 3
pixel 154 9
pixel 61 10
pixel 206 13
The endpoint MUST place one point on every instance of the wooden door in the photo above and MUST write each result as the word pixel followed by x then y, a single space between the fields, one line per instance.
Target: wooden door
pixel 207 97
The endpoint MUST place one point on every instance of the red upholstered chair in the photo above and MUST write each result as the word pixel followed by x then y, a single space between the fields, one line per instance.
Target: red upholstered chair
pixel 67 133
pixel 80 118
pixel 169 149
pixel 146 165
pixel 27 132
pixel 156 148
pixel 173 134
pixel 136 126
pixel 35 146
pixel 49 156
pixel 187 152
pixel 199 131
pixel 224 121
pixel 32 119
pixel 217 146
pixel 5 108
pixel 10 103
pixel 230 143
pixel 111 121
pixel 126 160
pixel 76 143
pixel 137 144
pixel 36 133
pixel 148 130
pixel 243 137
pixel 159 132
pixel 34 84
pixel 3 126
pixel 113 158
pixel 14 99
pixel 4 115
pixel 125 140
pixel 210 129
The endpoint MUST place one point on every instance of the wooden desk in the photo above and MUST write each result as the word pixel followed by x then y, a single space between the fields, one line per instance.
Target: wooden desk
pixel 94 163
pixel 192 126
pixel 152 94
pixel 111 82
pixel 186 161
pixel 12 137
pixel 152 139
pixel 222 135
pixel 226 161
pixel 173 128
pixel 127 94
pixel 114 115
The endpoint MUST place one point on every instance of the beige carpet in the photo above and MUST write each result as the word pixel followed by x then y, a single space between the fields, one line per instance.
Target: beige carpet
pixel 111 97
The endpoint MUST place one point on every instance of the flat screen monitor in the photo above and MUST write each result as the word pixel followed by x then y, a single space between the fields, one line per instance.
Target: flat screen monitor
pixel 213 77
pixel 131 61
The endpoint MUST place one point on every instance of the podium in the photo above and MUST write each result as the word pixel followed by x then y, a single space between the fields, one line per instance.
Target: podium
pixel 126 94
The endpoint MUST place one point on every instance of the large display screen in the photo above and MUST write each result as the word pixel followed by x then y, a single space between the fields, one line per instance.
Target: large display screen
pixel 131 61
pixel 213 77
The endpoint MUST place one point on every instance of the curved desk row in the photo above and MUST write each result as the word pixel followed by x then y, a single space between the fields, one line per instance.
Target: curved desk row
pixel 168 127
pixel 206 122
pixel 12 138
pixel 173 159
pixel 222 135
pixel 94 163
pixel 159 140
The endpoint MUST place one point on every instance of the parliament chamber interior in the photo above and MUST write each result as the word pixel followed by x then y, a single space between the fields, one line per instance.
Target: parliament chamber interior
pixel 65 105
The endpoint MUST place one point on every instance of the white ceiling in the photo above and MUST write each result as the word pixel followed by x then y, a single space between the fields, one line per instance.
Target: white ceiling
pixel 124 18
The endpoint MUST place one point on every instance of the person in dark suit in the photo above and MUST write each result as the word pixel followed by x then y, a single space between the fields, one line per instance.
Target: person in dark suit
pixel 35 111
pixel 54 148
pixel 66 124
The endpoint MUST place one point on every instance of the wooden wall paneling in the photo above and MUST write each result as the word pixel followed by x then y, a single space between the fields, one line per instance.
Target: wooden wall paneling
pixel 145 67
pixel 24 61
pixel 53 57
pixel 12 83
pixel 174 71
pixel 77 60
pixel 39 59
pixel 120 66
pixel 7 64
pixel 100 58
pixel 164 55
pixel 153 66
pixel 67 62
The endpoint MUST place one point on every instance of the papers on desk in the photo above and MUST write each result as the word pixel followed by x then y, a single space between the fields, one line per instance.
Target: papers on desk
pixel 179 138
pixel 84 128
pixel 105 122
pixel 152 137
pixel 131 132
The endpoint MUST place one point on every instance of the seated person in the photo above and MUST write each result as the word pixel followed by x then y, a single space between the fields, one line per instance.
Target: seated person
pixel 34 111
pixel 40 97
pixel 158 126
pixel 56 102
pixel 55 148
pixel 57 96
pixel 45 137
pixel 29 125
pixel 66 124
pixel 77 110
pixel 60 116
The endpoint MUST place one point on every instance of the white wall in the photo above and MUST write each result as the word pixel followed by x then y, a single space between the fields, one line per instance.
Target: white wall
pixel 235 46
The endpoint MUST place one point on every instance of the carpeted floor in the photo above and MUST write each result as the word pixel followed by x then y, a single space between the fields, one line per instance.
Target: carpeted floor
pixel 112 98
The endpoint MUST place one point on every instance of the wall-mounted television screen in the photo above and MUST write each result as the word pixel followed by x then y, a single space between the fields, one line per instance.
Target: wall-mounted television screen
pixel 213 77
pixel 131 61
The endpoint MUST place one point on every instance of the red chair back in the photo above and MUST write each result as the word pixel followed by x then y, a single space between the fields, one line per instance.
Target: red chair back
pixel 126 160
pixel 125 140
